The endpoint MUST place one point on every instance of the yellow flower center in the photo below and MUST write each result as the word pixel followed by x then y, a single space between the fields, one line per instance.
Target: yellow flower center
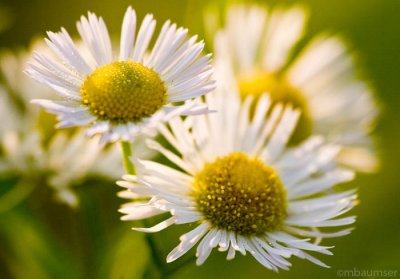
pixel 123 92
pixel 280 91
pixel 240 194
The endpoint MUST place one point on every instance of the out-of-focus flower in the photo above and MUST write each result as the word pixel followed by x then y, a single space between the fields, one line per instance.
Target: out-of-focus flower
pixel 32 150
pixel 256 45
pixel 240 186
pixel 122 97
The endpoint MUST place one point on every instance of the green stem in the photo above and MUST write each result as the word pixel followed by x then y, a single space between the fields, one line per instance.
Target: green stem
pixel 127 153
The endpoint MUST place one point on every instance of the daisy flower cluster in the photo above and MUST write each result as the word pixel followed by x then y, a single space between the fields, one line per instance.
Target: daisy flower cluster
pixel 255 142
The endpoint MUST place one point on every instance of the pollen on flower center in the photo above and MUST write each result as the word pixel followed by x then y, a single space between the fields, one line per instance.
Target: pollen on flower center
pixel 240 194
pixel 123 92
pixel 280 91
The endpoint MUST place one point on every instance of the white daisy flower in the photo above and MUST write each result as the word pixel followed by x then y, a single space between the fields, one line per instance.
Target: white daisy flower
pixel 32 153
pixel 9 118
pixel 12 65
pixel 240 187
pixel 122 97
pixel 256 45
pixel 24 155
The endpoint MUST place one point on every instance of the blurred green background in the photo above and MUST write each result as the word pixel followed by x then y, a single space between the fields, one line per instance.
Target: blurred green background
pixel 43 239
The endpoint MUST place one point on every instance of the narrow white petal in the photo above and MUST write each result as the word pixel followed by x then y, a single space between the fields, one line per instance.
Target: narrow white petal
pixel 281 135
pixel 62 44
pixel 159 227
pixel 188 240
pixel 95 35
pixel 320 184
pixel 306 256
pixel 127 35
pixel 59 106
pixel 143 38
pixel 216 239
pixel 316 233
pixel 284 30
pixel 204 249
pixel 231 253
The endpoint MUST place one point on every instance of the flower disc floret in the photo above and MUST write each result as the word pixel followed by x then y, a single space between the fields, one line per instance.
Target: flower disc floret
pixel 241 194
pixel 123 91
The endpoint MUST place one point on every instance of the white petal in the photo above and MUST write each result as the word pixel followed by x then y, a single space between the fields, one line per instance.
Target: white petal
pixel 143 38
pixel 320 184
pixel 284 30
pixel 188 240
pixel 164 224
pixel 95 35
pixel 62 44
pixel 127 34
pixel 204 249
